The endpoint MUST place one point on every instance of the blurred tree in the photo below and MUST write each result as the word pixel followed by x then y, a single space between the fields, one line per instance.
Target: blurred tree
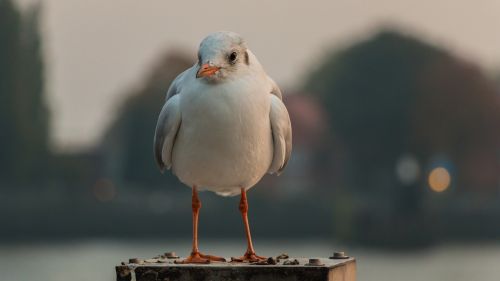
pixel 9 47
pixel 393 97
pixel 369 89
pixel 24 115
pixel 128 144
pixel 458 115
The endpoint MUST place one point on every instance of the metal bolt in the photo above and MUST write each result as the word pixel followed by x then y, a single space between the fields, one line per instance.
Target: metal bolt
pixel 283 256
pixel 315 262
pixel 339 255
pixel 171 255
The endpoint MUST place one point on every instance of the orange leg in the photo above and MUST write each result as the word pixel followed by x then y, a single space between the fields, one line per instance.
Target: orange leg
pixel 249 255
pixel 196 256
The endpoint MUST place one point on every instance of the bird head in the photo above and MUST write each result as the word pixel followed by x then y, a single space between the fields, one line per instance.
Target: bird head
pixel 221 55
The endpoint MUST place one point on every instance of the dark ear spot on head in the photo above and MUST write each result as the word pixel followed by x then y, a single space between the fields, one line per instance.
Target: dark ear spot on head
pixel 247 60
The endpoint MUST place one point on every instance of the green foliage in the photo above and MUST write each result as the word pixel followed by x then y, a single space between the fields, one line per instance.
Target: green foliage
pixel 394 95
pixel 369 90
pixel 9 49
pixel 23 111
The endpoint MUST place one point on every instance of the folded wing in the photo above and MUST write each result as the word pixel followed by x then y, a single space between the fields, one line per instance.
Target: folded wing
pixel 166 132
pixel 168 125
pixel 282 134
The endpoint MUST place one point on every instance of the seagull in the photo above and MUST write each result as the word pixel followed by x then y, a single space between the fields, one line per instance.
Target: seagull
pixel 222 128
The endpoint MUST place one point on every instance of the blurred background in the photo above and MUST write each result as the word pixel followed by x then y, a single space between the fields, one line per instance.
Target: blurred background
pixel 395 108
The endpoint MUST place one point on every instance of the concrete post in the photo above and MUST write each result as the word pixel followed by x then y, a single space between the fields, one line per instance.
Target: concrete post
pixel 285 269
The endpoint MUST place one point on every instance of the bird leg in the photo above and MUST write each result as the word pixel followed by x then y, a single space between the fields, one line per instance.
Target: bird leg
pixel 249 255
pixel 196 256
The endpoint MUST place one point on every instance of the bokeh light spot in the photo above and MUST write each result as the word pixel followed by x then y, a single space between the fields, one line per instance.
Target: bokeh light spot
pixel 439 179
pixel 407 169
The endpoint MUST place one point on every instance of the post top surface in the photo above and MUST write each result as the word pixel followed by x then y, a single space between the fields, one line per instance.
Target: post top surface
pixel 287 262
pixel 280 268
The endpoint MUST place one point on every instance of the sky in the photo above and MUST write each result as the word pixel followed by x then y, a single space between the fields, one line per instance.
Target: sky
pixel 96 50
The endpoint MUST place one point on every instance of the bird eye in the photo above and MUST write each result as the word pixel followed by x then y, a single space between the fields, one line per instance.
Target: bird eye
pixel 233 56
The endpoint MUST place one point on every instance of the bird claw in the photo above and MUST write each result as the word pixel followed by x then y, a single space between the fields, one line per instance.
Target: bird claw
pixel 248 257
pixel 212 258
pixel 200 258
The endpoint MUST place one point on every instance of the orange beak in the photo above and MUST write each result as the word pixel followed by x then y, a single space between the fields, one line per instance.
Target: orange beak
pixel 206 70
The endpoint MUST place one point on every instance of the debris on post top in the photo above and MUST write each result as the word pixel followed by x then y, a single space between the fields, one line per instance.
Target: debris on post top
pixel 338 267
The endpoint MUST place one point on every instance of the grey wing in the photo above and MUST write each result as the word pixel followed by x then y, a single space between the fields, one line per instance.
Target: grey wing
pixel 282 135
pixel 275 90
pixel 167 127
pixel 175 87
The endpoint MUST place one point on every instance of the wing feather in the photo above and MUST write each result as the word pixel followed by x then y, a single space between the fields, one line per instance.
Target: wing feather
pixel 168 124
pixel 282 135
pixel 175 87
pixel 167 127
pixel 275 90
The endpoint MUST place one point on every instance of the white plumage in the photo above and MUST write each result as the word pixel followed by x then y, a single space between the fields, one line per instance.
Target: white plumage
pixel 225 131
